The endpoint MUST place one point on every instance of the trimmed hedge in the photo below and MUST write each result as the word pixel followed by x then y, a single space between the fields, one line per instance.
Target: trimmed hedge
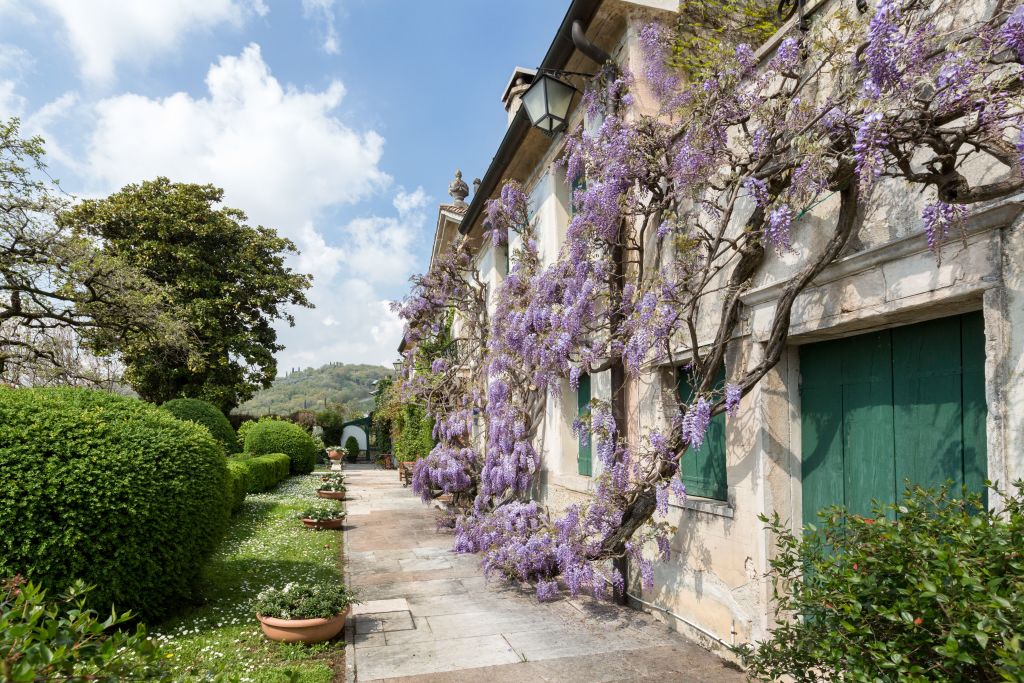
pixel 278 436
pixel 207 415
pixel 109 490
pixel 253 475
pixel 238 483
pixel 266 471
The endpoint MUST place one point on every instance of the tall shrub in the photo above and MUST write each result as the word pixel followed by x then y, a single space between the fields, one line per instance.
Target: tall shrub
pixel 278 436
pixel 415 436
pixel 209 416
pixel 931 589
pixel 109 490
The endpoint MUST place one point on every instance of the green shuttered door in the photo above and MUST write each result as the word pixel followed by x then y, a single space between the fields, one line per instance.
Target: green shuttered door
pixel 583 465
pixel 703 469
pixel 882 408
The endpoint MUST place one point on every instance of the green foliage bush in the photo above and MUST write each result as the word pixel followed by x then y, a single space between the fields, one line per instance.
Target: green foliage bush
pixel 352 446
pixel 278 436
pixel 239 482
pixel 109 490
pixel 415 435
pixel 60 639
pixel 266 471
pixel 929 590
pixel 207 415
pixel 332 422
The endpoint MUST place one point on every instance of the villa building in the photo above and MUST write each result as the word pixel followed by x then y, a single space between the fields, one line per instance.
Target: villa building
pixel 900 365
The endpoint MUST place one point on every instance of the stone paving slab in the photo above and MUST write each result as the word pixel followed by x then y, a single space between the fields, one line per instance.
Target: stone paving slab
pixel 429 616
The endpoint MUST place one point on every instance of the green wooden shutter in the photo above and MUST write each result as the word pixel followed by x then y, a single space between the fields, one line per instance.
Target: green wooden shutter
pixel 821 428
pixel 703 470
pixel 583 459
pixel 927 396
pixel 881 409
pixel 868 468
pixel 975 411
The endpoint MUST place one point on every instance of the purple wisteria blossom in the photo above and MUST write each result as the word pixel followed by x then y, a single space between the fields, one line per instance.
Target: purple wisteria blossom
pixel 939 219
pixel 733 394
pixel 1012 33
pixel 885 48
pixel 695 423
pixel 868 147
pixel 779 222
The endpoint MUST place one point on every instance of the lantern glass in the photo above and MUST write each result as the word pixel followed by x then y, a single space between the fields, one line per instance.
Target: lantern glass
pixel 547 103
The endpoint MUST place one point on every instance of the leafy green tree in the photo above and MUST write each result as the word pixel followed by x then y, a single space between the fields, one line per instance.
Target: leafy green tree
pixel 332 420
pixel 227 280
pixel 63 301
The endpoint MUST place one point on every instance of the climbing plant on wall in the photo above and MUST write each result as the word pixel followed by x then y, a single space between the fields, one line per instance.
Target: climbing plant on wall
pixel 681 208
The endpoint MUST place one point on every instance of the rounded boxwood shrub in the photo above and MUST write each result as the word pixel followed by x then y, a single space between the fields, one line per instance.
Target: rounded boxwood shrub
pixel 109 490
pixel 207 415
pixel 278 436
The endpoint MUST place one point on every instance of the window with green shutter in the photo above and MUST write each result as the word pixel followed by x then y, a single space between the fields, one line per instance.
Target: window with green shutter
pixel 703 469
pixel 880 409
pixel 586 442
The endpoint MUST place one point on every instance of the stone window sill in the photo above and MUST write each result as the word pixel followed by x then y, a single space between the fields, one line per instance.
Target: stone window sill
pixel 711 506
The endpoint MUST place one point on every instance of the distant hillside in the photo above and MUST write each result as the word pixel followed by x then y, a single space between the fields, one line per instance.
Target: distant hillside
pixel 314 388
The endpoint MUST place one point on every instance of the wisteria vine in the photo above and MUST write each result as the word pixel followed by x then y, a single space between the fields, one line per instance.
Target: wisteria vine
pixel 680 209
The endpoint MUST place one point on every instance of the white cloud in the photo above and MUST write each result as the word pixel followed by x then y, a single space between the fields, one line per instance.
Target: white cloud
pixel 11 103
pixel 14 60
pixel 277 151
pixel 104 33
pixel 285 157
pixel 409 202
pixel 322 11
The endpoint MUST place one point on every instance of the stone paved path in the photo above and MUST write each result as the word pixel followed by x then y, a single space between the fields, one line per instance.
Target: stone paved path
pixel 428 615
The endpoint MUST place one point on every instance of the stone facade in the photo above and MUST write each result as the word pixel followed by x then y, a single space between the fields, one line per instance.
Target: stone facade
pixel 713 587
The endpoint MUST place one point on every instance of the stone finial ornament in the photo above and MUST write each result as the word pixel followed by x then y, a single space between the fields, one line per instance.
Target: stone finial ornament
pixel 458 189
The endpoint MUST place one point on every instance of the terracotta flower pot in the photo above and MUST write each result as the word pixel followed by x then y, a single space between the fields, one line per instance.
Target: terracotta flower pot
pixel 334 455
pixel 302 630
pixel 332 495
pixel 323 523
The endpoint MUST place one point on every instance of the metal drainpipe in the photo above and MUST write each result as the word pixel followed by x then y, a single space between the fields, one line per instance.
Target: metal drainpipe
pixel 686 621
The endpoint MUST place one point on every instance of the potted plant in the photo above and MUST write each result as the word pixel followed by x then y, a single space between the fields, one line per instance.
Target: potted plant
pixel 302 612
pixel 332 486
pixel 334 453
pixel 322 515
pixel 351 449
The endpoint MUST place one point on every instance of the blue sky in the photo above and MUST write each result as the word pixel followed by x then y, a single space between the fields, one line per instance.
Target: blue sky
pixel 337 122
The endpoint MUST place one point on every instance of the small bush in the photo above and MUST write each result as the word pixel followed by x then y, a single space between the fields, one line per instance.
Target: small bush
pixel 352 448
pixel 60 639
pixel 278 436
pixel 266 471
pixel 239 482
pixel 304 601
pixel 207 415
pixel 109 490
pixel 929 590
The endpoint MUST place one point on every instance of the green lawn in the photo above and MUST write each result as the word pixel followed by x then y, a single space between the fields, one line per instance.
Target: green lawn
pixel 265 546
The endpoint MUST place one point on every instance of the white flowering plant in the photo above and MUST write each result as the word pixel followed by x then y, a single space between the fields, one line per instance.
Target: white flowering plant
pixel 332 482
pixel 322 512
pixel 304 601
